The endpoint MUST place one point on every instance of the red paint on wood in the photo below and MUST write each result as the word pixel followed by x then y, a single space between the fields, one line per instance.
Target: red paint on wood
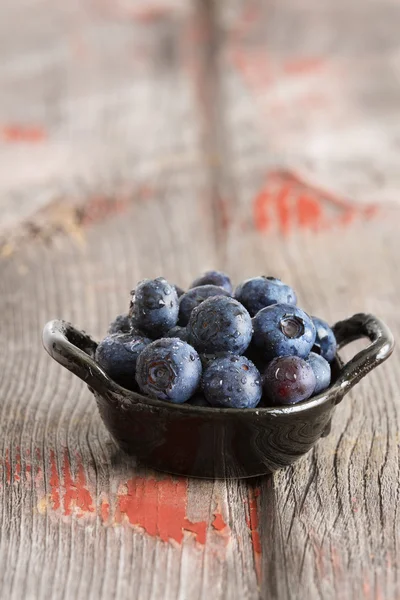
pixel 283 208
pixel 309 212
pixel 253 520
pixel 159 507
pixel 288 203
pixel 218 522
pixel 262 206
pixel 38 467
pixel 8 466
pixel 252 523
pixel 28 466
pixel 54 482
pixel 17 474
pixel 76 492
pixel 14 133
pixel 105 511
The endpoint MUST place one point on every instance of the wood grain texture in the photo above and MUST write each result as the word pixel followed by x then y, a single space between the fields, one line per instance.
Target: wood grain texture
pixel 167 138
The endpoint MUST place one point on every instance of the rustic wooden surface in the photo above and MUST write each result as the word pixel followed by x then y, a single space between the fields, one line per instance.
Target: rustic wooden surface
pixel 140 139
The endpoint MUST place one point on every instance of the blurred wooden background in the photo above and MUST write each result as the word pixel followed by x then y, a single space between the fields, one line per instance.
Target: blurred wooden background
pixel 142 138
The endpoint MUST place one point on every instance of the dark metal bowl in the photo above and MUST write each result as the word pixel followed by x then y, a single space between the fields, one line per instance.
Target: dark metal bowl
pixel 217 442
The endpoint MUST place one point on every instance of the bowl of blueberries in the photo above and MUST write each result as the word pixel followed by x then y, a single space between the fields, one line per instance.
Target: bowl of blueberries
pixel 218 382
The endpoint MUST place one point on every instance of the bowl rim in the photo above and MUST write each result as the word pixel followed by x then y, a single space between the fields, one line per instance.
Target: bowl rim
pixel 58 335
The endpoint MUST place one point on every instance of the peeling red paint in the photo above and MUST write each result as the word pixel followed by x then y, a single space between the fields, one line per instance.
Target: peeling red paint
pixel 76 492
pixel 159 507
pixel 39 471
pixel 17 474
pixel 218 522
pixel 105 511
pixel 54 482
pixel 15 133
pixel 283 208
pixel 309 212
pixel 288 203
pixel 252 523
pixel 28 466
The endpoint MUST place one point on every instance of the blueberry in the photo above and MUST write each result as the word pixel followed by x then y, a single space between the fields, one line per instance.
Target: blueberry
pixel 288 380
pixel 325 339
pixel 220 324
pixel 198 400
pixel 121 324
pixel 207 359
pixel 196 296
pixel 283 330
pixel 178 332
pixel 259 292
pixel 169 369
pixel 154 307
pixel 117 354
pixel 214 278
pixel 179 290
pixel 232 382
pixel 322 371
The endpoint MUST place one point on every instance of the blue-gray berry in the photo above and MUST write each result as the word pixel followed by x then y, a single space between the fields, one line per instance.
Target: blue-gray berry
pixel 154 307
pixel 214 278
pixel 121 324
pixel 325 339
pixel 194 297
pixel 283 330
pixel 322 371
pixel 169 369
pixel 117 354
pixel 259 292
pixel 232 382
pixel 220 324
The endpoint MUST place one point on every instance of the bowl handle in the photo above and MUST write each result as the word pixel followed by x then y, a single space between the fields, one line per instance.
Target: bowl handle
pixel 75 350
pixel 381 347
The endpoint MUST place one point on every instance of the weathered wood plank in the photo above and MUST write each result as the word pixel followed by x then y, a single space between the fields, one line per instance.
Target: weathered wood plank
pixel 162 139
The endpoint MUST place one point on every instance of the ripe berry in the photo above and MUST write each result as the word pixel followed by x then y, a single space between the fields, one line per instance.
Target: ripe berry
pixel 232 382
pixel 322 371
pixel 214 278
pixel 169 369
pixel 178 332
pixel 117 354
pixel 154 307
pixel 220 324
pixel 283 330
pixel 259 292
pixel 325 339
pixel 194 297
pixel 121 324
pixel 288 380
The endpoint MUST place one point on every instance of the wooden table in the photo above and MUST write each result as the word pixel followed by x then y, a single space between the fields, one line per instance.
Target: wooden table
pixel 146 138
